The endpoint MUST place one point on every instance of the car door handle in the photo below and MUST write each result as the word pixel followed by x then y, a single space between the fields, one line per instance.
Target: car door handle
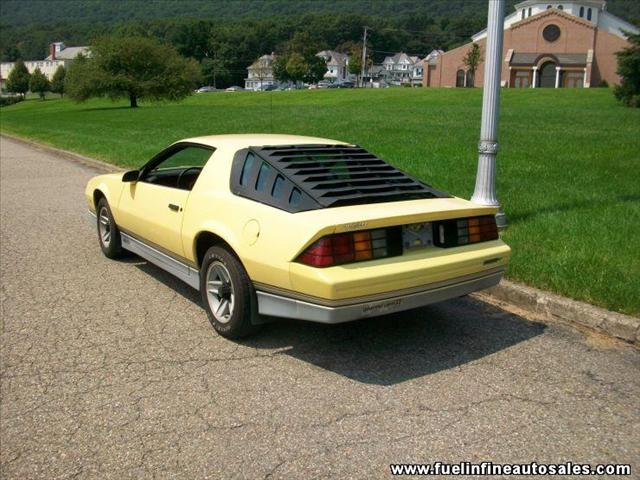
pixel 174 207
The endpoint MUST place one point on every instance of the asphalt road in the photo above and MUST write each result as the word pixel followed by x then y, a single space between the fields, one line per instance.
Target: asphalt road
pixel 111 370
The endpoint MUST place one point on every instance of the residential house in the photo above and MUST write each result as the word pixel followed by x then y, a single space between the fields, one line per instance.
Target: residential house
pixel 59 51
pixel 374 76
pixel 552 44
pixel 401 69
pixel 260 73
pixel 59 54
pixel 337 66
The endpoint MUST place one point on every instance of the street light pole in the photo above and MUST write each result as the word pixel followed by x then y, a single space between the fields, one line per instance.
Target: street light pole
pixel 485 191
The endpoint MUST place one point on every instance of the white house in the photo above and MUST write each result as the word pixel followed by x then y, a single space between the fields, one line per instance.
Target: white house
pixel 59 51
pixel 260 73
pixel 337 66
pixel 403 69
pixel 59 55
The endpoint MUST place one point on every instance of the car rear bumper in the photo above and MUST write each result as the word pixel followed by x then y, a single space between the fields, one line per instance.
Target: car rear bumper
pixel 282 305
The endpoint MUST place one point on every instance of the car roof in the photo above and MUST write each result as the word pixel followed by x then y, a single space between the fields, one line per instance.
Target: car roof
pixel 246 140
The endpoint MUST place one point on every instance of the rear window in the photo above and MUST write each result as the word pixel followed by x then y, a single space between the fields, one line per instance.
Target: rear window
pixel 278 186
pixel 261 182
pixel 247 169
pixel 297 178
pixel 294 198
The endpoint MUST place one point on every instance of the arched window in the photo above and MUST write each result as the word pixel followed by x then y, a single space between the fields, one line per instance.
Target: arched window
pixel 529 11
pixel 522 16
pixel 460 78
pixel 581 12
pixel 548 7
pixel 560 7
pixel 588 14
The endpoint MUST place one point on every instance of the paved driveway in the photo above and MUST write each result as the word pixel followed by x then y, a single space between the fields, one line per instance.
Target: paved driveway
pixel 111 370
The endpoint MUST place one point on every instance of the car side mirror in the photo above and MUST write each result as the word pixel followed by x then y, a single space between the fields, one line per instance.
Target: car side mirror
pixel 131 176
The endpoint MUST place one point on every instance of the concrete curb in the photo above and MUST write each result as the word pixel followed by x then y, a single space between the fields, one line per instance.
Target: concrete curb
pixel 545 306
pixel 89 162
pixel 548 306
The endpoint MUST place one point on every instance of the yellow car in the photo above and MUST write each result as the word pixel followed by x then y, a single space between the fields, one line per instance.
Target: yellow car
pixel 296 227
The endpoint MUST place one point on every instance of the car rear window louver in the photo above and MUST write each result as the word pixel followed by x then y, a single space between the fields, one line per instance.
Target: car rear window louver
pixel 296 178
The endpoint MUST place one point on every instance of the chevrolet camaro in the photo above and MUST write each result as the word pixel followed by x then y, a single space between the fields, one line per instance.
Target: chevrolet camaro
pixel 295 227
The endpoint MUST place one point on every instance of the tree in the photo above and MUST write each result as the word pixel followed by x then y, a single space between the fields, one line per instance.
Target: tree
pixel 355 63
pixel 298 61
pixel 215 71
pixel 18 80
pixel 628 92
pixel 78 78
pixel 472 59
pixel 57 81
pixel 134 68
pixel 316 69
pixel 280 69
pixel 38 83
pixel 296 67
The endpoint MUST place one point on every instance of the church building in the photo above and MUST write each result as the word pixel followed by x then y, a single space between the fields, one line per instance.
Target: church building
pixel 560 44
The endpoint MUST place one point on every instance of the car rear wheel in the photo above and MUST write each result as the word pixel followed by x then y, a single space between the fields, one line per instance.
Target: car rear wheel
pixel 108 233
pixel 228 294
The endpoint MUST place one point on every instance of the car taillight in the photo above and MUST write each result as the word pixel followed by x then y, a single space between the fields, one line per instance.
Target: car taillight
pixel 463 231
pixel 351 247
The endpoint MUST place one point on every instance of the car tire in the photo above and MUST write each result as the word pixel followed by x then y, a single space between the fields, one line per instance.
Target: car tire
pixel 228 294
pixel 108 233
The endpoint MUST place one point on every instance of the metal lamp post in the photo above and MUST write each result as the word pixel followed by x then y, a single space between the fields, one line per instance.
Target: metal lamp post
pixel 485 191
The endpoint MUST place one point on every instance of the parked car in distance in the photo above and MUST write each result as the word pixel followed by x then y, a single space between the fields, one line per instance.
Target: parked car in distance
pixel 295 227
pixel 268 88
pixel 206 89
pixel 346 84
pixel 234 88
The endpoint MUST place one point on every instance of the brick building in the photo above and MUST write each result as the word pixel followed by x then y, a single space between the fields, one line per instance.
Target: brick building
pixel 546 44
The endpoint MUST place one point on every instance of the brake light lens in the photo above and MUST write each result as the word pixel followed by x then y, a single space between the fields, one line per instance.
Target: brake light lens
pixel 350 247
pixel 464 231
pixel 364 245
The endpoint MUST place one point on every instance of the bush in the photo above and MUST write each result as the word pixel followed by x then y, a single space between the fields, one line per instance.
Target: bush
pixel 6 101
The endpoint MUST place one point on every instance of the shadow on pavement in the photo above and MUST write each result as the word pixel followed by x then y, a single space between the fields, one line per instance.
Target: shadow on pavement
pixel 393 348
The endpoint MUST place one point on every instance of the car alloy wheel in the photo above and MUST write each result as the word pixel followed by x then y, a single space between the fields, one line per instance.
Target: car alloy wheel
pixel 220 292
pixel 104 226
pixel 108 233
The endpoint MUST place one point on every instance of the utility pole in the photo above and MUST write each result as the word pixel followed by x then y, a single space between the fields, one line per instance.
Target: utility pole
pixel 364 56
pixel 215 66
pixel 485 191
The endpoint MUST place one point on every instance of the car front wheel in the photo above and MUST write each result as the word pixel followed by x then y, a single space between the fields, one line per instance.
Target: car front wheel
pixel 228 294
pixel 108 233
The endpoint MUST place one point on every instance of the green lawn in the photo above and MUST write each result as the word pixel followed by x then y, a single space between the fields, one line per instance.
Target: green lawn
pixel 568 176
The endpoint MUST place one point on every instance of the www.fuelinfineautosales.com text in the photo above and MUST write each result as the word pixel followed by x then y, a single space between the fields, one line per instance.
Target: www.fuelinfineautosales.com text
pixel 490 468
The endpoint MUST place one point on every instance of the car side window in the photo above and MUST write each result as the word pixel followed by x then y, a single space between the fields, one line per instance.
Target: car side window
pixel 179 169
